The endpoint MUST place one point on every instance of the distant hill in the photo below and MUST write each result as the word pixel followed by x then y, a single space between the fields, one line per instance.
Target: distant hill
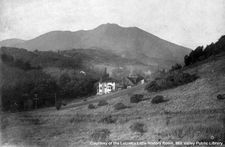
pixel 75 59
pixel 43 59
pixel 11 42
pixel 130 42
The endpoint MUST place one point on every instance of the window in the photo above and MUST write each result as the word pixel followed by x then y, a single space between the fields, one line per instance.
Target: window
pixel 110 87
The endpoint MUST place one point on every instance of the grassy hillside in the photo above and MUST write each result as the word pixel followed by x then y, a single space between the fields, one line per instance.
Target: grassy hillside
pixel 192 112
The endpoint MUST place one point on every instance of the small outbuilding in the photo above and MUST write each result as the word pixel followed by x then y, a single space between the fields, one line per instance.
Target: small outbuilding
pixel 133 80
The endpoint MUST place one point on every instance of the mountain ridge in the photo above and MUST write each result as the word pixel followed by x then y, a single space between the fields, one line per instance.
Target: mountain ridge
pixel 129 42
pixel 11 42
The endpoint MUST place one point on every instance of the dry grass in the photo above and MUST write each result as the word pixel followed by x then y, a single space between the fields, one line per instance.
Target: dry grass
pixel 197 133
pixel 102 103
pixel 100 135
pixel 138 127
pixel 108 119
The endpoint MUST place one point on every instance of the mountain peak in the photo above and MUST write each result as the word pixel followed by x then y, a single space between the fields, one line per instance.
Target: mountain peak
pixel 108 25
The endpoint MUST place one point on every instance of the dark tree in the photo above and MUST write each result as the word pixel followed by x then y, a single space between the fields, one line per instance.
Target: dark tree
pixel 200 53
pixel 187 60
pixel 7 58
pixel 176 67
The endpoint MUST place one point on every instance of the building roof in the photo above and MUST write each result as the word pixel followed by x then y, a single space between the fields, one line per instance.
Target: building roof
pixel 107 79
pixel 134 79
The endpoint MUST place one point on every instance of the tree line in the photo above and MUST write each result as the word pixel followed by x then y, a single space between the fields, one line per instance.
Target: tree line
pixel 201 53
pixel 19 63
pixel 26 87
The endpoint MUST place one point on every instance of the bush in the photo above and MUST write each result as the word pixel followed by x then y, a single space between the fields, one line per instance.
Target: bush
pixel 58 105
pixel 221 96
pixel 138 127
pixel 100 135
pixel 158 99
pixel 170 80
pixel 108 119
pixel 152 86
pixel 136 98
pixel 102 103
pixel 119 106
pixel 176 67
pixel 64 103
pixel 91 106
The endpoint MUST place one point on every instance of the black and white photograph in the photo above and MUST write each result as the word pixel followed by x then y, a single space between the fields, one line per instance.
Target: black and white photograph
pixel 98 73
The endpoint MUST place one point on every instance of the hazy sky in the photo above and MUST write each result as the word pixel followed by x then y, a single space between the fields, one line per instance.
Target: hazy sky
pixel 186 22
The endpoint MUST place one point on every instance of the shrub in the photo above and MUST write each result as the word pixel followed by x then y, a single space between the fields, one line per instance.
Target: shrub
pixel 102 103
pixel 91 106
pixel 64 103
pixel 100 135
pixel 221 96
pixel 108 119
pixel 58 105
pixel 138 127
pixel 152 86
pixel 176 67
pixel 119 106
pixel 157 99
pixel 136 98
pixel 170 80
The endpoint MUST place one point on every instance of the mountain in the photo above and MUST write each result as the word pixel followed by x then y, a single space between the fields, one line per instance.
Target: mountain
pixel 11 42
pixel 128 42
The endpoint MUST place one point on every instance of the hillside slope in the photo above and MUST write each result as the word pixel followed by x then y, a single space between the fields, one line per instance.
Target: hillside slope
pixel 192 113
pixel 97 59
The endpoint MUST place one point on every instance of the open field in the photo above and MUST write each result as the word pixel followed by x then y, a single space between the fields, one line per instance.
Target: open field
pixel 192 112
